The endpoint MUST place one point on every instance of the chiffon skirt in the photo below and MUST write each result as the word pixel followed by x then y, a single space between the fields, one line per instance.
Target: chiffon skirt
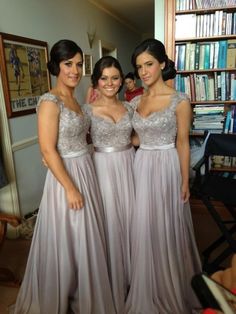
pixel 67 268
pixel 165 256
pixel 116 182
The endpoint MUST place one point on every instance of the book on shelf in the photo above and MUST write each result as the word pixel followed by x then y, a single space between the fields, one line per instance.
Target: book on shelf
pixel 208 109
pixel 233 86
pixel 232 128
pixel 222 54
pixel 223 85
pixel 185 26
pixel 197 52
pixel 227 86
pixel 202 56
pixel 187 56
pixel 207 56
pixel 181 57
pixel 231 54
pixel 216 54
pixel 227 122
pixel 192 56
pixel 230 120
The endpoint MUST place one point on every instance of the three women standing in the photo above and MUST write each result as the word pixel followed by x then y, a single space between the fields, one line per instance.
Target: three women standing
pixel 67 266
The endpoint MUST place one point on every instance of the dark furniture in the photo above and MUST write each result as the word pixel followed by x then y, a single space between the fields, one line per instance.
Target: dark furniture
pixel 218 184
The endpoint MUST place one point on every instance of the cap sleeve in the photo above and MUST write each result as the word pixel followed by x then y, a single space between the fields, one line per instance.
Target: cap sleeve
pixel 49 97
pixel 135 101
pixel 87 109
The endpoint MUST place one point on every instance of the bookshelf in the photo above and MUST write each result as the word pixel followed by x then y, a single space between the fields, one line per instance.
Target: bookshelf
pixel 200 36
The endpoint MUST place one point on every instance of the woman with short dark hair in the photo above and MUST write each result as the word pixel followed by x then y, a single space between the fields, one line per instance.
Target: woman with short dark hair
pixel 113 157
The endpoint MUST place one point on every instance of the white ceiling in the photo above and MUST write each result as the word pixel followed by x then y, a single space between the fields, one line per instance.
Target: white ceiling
pixel 138 14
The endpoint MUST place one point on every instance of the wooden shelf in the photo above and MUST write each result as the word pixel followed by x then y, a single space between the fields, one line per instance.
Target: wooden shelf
pixel 209 38
pixel 206 71
pixel 228 102
pixel 195 134
pixel 208 10
pixel 224 169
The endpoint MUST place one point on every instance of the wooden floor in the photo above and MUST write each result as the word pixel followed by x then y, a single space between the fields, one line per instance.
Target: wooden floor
pixel 14 252
pixel 13 255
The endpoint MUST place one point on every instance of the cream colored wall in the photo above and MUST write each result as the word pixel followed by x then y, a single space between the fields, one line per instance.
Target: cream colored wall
pixel 159 20
pixel 49 21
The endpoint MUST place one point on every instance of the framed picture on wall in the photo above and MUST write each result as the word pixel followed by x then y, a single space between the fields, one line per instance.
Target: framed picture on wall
pixel 23 66
pixel 87 65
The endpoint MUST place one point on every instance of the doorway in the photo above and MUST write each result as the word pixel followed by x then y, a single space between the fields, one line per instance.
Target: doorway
pixel 106 49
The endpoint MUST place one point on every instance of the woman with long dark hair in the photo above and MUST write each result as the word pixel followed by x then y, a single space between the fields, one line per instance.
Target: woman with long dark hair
pixel 164 252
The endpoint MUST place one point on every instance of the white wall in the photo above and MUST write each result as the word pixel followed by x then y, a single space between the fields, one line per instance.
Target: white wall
pixel 48 21
pixel 160 20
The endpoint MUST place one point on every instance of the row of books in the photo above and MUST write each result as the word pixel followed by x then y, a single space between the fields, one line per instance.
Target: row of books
pixel 223 162
pixel 205 25
pixel 215 86
pixel 208 117
pixel 202 4
pixel 217 119
pixel 206 55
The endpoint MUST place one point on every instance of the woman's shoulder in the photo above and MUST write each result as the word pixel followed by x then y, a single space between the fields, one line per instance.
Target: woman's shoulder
pixel 179 100
pixel 180 96
pixel 49 97
pixel 128 106
pixel 135 101
pixel 87 108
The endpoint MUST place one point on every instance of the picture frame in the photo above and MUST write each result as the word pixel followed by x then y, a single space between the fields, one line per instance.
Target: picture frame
pixel 23 67
pixel 87 65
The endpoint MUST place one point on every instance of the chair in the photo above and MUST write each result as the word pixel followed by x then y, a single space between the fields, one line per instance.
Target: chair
pixel 218 185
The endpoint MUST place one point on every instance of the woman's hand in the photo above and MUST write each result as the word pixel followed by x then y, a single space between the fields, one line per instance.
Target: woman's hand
pixel 185 193
pixel 44 162
pixel 75 199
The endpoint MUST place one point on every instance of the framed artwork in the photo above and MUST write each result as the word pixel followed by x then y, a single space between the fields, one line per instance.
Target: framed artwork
pixel 23 66
pixel 87 65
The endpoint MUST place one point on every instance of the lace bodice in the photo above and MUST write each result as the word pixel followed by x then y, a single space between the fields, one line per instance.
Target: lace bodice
pixel 105 132
pixel 73 127
pixel 159 128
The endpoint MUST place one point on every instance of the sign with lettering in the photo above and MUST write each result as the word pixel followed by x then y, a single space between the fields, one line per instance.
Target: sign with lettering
pixel 23 65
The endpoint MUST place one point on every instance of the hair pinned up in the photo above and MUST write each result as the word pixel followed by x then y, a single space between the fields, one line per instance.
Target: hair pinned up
pixel 62 50
pixel 101 64
pixel 156 49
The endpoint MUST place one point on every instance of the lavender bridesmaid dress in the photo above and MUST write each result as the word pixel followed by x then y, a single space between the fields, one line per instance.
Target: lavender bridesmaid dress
pixel 67 268
pixel 165 255
pixel 113 159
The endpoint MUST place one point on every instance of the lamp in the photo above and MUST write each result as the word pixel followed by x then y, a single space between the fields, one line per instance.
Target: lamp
pixel 91 37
